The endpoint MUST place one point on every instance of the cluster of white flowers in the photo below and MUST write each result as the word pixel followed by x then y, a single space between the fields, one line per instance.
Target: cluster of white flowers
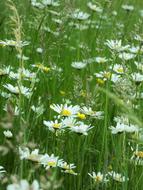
pixel 13 43
pixel 48 161
pixel 103 178
pixel 70 118
pixel 122 127
pixel 44 3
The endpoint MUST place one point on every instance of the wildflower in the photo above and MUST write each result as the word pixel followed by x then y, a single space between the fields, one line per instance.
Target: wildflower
pixel 38 110
pixel 118 177
pixel 116 45
pixel 4 71
pixel 81 128
pixel 8 134
pixel 90 112
pixel 67 168
pixel 53 125
pixel 39 50
pixel 22 73
pixel 139 65
pixel 79 15
pixel 98 177
pixel 81 115
pixel 49 161
pixel 22 57
pixel 126 56
pixel 78 65
pixel 26 154
pixel 101 59
pixel 94 7
pixel 42 67
pixel 44 3
pixel 65 110
pixel 17 90
pixel 121 127
pixel 69 122
pixel 128 7
pixel 24 185
pixel 118 68
pixel 137 77
pixel 19 44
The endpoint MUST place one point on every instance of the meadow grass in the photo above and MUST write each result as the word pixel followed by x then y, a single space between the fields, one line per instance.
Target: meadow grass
pixel 83 96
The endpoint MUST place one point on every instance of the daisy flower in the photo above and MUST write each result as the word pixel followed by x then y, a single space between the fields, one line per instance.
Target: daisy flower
pixel 118 177
pixel 17 90
pixel 65 110
pixel 49 161
pixel 53 125
pixel 81 128
pixel 79 15
pixel 98 177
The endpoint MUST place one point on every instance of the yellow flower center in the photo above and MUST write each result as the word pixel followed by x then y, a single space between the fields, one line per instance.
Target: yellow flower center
pixel 51 163
pixel 63 93
pixel 98 178
pixel 42 67
pixel 56 125
pixel 120 70
pixel 139 154
pixel 107 75
pixel 100 81
pixel 66 112
pixel 81 116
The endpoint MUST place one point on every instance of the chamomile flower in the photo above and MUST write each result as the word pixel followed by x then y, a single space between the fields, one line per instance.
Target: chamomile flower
pixel 128 7
pixel 14 43
pixel 24 185
pixel 90 112
pixel 26 154
pixel 39 110
pixel 118 68
pixel 81 128
pixel 53 125
pixel 22 57
pixel 17 90
pixel 137 77
pixel 5 71
pixel 101 59
pixel 137 157
pixel 126 56
pixel 94 7
pixel 24 73
pixel 67 168
pixel 69 121
pixel 49 161
pixel 121 127
pixel 39 50
pixel 118 177
pixel 79 15
pixel 116 45
pixel 65 110
pixel 8 134
pixel 98 177
pixel 79 65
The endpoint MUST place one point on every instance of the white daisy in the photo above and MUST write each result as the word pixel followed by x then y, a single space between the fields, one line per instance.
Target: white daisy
pixel 98 177
pixel 118 177
pixel 65 110
pixel 79 65
pixel 79 15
